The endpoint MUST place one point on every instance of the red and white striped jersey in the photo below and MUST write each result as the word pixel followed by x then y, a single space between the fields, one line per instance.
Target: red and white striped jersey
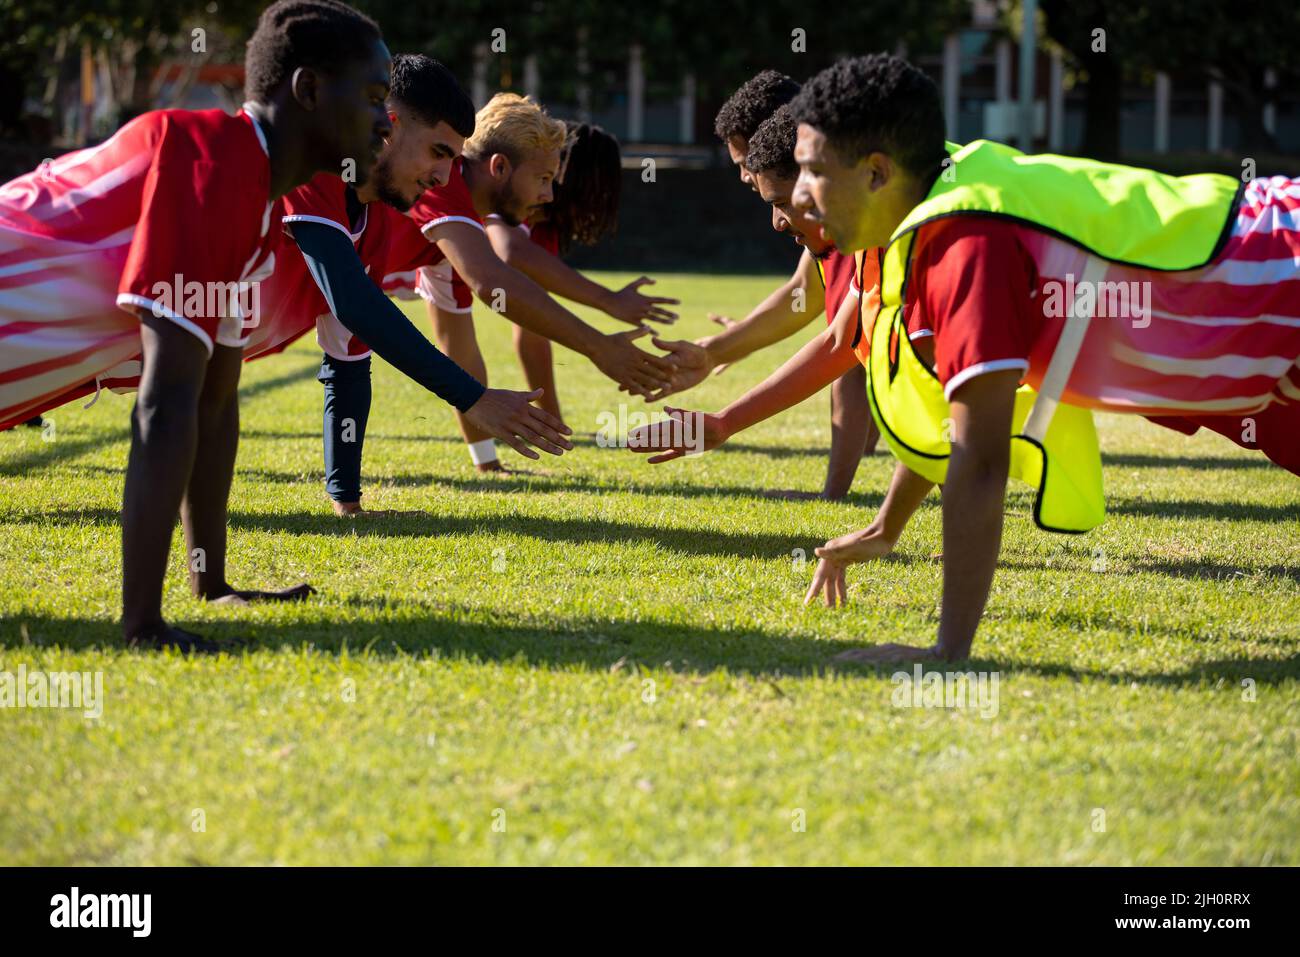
pixel 292 301
pixel 1221 339
pixel 175 201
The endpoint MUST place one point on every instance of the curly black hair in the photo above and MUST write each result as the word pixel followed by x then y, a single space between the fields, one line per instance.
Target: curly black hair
pixel 585 207
pixel 876 103
pixel 771 148
pixel 430 91
pixel 757 99
pixel 321 34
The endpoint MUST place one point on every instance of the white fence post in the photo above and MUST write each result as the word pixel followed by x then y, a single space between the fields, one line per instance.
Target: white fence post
pixel 1162 112
pixel 635 95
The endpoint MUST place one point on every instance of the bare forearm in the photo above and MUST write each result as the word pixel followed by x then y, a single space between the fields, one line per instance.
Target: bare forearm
pixel 163 437
pixel 505 289
pixel 548 271
pixel 850 422
pixel 907 491
pixel 526 304
pixel 812 369
pixel 203 511
pixel 972 535
pixel 776 318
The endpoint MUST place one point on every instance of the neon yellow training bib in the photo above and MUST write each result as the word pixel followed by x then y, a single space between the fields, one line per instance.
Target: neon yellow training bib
pixel 1117 213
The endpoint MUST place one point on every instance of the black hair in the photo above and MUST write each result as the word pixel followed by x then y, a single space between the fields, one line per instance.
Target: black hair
pixel 876 103
pixel 430 91
pixel 585 207
pixel 771 148
pixel 321 34
pixel 757 99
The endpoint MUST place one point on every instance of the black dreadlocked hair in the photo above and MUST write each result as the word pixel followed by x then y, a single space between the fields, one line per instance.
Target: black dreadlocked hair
pixel 585 208
pixel 876 103
pixel 430 91
pixel 321 34
pixel 771 148
pixel 757 99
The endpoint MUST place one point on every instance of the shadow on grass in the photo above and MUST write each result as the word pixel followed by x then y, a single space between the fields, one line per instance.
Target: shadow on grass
pixel 1236 511
pixel 49 454
pixel 533 484
pixel 301 374
pixel 582 440
pixel 1191 568
pixel 598 645
pixel 581 531
pixel 1136 629
pixel 427 525
pixel 1145 461
pixel 67 449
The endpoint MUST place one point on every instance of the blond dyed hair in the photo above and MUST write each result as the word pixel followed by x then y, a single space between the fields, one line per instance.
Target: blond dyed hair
pixel 515 126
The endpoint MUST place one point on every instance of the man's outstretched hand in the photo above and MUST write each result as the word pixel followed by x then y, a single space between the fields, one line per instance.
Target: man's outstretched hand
pixel 512 418
pixel 692 364
pixel 839 553
pixel 682 433
pixel 635 370
pixel 630 304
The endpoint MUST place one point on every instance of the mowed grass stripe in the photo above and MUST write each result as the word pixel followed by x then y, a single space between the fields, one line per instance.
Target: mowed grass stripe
pixel 612 661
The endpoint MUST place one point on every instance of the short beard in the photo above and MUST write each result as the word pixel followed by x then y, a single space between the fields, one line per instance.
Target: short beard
pixel 386 191
pixel 506 216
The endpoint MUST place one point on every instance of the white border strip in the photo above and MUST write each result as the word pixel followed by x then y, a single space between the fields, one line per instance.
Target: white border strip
pixel 1064 356
pixel 980 368
pixel 131 302
pixel 448 219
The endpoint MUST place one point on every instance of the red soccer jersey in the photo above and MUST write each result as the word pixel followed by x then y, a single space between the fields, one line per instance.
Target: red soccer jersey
pixel 292 301
pixel 411 255
pixel 175 203
pixel 836 271
pixel 544 235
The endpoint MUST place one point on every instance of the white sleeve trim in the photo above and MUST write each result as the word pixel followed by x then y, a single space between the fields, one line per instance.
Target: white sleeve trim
pixel 980 368
pixel 233 342
pixel 131 302
pixel 333 354
pixel 448 219
pixel 920 334
pixel 304 218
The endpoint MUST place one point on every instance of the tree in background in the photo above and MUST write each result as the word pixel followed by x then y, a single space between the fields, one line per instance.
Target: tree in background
pixel 1193 40
pixel 1203 40
pixel 720 44
pixel 144 54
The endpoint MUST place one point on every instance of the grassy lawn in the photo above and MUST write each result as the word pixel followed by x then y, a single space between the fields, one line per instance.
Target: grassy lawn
pixel 605 661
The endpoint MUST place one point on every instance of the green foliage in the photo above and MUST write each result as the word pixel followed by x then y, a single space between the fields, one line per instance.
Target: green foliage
pixel 1195 42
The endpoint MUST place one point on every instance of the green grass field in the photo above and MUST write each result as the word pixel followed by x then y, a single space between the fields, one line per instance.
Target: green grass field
pixel 605 661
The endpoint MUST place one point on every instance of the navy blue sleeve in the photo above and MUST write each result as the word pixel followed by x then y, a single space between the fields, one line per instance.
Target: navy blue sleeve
pixel 368 314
